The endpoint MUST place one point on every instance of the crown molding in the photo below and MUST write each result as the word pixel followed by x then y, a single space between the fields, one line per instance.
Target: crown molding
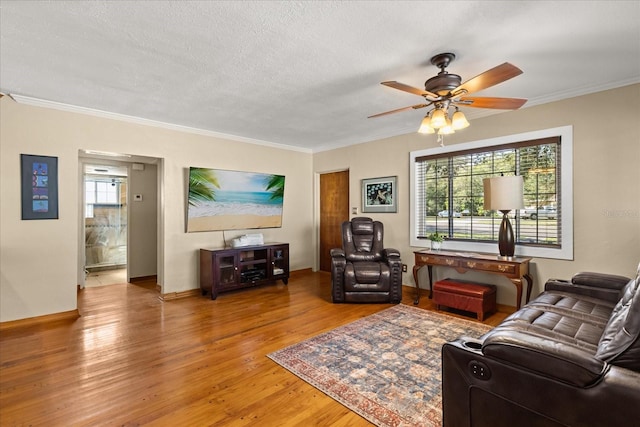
pixel 37 102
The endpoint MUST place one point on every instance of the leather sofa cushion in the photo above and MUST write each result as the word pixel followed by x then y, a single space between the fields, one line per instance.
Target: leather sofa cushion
pixel 620 342
pixel 576 306
pixel 556 327
pixel 567 318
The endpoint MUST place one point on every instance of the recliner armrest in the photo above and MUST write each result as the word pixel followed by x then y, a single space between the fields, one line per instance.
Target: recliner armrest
pixel 553 359
pixel 390 253
pixel 337 253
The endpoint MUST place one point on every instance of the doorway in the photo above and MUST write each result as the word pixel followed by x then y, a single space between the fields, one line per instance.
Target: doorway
pixel 120 234
pixel 334 210
pixel 105 223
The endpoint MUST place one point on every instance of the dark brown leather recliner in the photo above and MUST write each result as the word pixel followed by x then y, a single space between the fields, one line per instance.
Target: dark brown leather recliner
pixel 570 357
pixel 363 270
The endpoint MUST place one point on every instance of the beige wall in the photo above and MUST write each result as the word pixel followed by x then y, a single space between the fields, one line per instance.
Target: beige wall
pixel 38 259
pixel 606 181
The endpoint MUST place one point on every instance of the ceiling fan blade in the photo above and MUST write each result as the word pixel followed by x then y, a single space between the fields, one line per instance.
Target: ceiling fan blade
pixel 489 78
pixel 497 103
pixel 415 107
pixel 410 89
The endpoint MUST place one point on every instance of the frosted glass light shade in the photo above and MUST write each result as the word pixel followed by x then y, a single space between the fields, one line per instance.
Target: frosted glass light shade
pixel 438 119
pixel 503 193
pixel 459 121
pixel 446 130
pixel 425 126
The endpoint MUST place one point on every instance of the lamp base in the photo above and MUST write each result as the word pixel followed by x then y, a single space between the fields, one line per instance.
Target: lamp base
pixel 506 238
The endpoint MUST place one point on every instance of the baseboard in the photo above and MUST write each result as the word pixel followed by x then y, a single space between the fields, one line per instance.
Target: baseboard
pixel 153 277
pixel 177 295
pixel 47 318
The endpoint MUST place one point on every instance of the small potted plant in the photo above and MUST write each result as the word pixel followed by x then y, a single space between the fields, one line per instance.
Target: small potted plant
pixel 436 240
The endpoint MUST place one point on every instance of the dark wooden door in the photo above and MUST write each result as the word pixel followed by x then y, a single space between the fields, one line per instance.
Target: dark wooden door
pixel 334 209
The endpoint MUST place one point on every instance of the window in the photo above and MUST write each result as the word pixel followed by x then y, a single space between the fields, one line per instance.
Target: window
pixel 100 191
pixel 447 193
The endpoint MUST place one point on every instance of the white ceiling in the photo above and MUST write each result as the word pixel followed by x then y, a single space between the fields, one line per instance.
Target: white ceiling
pixel 305 74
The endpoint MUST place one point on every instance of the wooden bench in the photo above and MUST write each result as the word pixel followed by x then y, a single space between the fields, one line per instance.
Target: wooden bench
pixel 463 295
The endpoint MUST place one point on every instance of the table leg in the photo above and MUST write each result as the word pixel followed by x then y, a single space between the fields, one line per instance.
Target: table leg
pixel 415 278
pixel 529 280
pixel 518 285
pixel 430 270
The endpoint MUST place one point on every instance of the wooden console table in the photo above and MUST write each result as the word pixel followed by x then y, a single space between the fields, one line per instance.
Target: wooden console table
pixel 514 268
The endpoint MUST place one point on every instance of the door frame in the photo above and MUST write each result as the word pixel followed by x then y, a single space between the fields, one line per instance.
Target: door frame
pixel 84 158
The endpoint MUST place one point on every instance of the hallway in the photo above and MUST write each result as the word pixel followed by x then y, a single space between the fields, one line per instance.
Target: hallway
pixel 106 277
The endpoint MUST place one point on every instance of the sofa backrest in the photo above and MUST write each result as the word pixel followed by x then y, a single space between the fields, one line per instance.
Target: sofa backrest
pixel 620 342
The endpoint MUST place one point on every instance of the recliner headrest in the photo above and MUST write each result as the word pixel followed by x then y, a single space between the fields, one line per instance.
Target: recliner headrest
pixel 362 225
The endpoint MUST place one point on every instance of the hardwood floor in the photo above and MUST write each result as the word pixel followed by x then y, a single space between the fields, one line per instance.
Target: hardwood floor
pixel 132 359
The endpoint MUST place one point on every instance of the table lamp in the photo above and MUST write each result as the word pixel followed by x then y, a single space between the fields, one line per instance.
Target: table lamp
pixel 504 193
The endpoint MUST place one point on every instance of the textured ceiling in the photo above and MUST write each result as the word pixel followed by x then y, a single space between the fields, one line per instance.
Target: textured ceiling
pixel 305 73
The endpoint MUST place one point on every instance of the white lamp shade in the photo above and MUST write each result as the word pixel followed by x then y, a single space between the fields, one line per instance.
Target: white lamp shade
pixel 503 193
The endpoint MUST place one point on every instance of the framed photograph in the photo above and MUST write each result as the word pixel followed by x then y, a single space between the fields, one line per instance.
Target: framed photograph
pixel 39 185
pixel 380 195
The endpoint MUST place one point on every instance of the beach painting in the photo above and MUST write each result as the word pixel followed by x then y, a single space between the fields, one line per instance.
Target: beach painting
pixel 233 200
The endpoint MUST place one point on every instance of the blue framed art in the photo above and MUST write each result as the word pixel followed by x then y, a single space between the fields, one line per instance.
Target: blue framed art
pixel 39 179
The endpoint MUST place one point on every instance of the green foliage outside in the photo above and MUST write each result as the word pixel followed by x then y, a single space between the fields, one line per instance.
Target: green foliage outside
pixel 465 174
pixel 457 183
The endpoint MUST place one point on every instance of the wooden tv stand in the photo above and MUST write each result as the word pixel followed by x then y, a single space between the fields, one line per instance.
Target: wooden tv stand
pixel 227 269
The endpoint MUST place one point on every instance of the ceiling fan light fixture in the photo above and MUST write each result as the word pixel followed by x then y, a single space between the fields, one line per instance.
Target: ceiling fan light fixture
pixel 425 126
pixel 458 120
pixel 438 119
pixel 447 129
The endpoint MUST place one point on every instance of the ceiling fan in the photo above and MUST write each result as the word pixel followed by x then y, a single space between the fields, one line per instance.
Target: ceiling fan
pixel 445 91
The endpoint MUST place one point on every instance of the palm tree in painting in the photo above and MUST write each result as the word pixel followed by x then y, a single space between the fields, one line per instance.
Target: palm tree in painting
pixel 201 186
pixel 275 183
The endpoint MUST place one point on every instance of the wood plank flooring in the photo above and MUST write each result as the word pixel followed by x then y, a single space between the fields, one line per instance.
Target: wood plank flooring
pixel 132 359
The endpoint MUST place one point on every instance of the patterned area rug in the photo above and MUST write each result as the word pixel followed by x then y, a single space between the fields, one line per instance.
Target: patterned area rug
pixel 385 367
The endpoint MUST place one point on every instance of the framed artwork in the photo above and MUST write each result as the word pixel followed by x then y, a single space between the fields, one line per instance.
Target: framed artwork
pixel 39 181
pixel 380 195
pixel 233 200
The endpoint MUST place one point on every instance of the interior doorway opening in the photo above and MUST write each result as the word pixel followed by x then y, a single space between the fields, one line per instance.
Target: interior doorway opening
pixel 105 218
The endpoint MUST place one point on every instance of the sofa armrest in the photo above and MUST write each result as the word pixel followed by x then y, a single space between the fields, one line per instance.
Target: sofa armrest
pixel 603 286
pixel 600 280
pixel 561 361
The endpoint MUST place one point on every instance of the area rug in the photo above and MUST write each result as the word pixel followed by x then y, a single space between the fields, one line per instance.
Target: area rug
pixel 385 367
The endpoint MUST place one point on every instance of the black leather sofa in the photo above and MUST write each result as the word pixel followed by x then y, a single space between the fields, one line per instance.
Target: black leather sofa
pixel 570 357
